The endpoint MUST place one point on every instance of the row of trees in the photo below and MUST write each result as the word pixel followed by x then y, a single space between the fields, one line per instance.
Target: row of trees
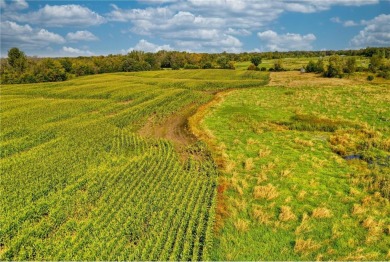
pixel 338 66
pixel 18 68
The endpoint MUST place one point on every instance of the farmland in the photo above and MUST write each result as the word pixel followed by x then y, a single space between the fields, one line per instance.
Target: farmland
pixel 196 165
pixel 305 164
pixel 86 176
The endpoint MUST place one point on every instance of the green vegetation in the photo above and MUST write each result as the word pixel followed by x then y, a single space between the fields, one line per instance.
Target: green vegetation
pixel 19 69
pixel 79 182
pixel 305 170
pixel 104 167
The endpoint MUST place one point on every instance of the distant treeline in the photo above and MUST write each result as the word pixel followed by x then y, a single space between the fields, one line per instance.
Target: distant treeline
pixel 18 68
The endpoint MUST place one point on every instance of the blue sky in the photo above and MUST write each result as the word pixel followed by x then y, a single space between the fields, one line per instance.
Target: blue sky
pixel 74 28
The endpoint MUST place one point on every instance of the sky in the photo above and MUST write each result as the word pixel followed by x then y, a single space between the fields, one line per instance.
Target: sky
pixel 86 28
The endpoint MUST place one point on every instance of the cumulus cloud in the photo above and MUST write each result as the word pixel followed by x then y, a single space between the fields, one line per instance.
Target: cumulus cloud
pixel 75 51
pixel 312 6
pixel 286 42
pixel 60 16
pixel 14 5
pixel 81 36
pixel 146 46
pixel 24 36
pixel 375 33
pixel 206 23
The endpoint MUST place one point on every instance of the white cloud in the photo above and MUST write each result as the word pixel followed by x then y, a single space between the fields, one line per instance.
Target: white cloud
pixel 19 4
pixel 60 16
pixel 347 23
pixel 286 42
pixel 75 51
pixel 81 36
pixel 209 23
pixel 146 46
pixel 239 32
pixel 376 33
pixel 14 5
pixel 24 36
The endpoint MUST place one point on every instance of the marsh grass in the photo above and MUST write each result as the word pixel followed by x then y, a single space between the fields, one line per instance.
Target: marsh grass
pixel 299 131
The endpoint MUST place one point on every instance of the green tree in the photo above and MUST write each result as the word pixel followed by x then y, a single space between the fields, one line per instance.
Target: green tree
pixel 350 65
pixel 335 67
pixel 376 62
pixel 256 60
pixel 311 67
pixel 17 59
pixel 49 70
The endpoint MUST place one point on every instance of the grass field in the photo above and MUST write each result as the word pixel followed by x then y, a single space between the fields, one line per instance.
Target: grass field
pixel 286 166
pixel 305 169
pixel 82 177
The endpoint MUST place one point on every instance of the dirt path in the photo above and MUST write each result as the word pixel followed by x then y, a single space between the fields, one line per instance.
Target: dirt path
pixel 174 128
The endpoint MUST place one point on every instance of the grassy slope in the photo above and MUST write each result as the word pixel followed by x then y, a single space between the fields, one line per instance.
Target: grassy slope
pixel 289 195
pixel 78 183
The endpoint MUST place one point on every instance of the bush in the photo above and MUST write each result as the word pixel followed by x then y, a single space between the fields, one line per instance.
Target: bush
pixel 191 66
pixel 370 78
pixel 207 65
pixel 175 67
pixel 263 69
pixel 278 66
pixel 253 67
pixel 335 67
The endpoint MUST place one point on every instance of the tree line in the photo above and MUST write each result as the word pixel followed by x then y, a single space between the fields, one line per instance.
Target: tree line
pixel 338 66
pixel 18 68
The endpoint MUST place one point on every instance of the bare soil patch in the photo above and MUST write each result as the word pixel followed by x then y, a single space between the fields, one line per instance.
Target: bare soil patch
pixel 174 128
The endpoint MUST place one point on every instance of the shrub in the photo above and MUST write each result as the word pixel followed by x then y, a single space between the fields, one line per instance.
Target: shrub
pixel 207 65
pixel 256 60
pixel 263 69
pixel 191 66
pixel 253 67
pixel 370 78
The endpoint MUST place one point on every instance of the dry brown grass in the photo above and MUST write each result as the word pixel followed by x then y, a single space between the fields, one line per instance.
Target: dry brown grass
pixel 301 195
pixel 268 192
pixel 358 209
pixel 304 227
pixel 286 214
pixel 286 173
pixel 240 205
pixel 249 164
pixel 303 142
pixel 264 152
pixel 374 230
pixel 296 79
pixel 322 212
pixel 241 225
pixel 305 247
pixel 261 177
pixel 261 216
pixel 229 166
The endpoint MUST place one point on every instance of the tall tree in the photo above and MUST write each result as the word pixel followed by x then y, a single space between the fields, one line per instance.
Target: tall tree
pixel 17 59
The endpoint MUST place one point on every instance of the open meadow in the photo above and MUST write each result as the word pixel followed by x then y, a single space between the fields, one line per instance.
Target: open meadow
pixel 305 165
